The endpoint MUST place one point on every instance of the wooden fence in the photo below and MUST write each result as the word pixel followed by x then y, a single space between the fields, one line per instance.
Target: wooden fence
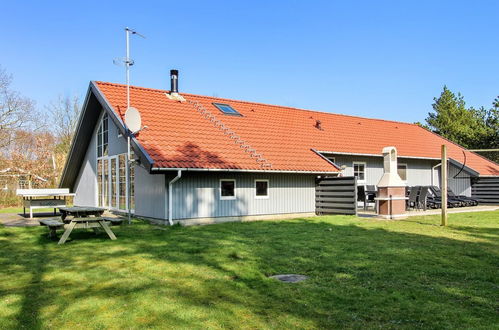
pixel 336 195
pixel 486 190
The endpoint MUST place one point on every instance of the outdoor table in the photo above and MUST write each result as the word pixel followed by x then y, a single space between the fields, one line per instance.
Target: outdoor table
pixel 43 198
pixel 80 211
pixel 83 217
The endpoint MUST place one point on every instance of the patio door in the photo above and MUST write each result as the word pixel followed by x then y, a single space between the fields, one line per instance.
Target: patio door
pixel 108 182
pixel 112 188
pixel 114 179
pixel 105 182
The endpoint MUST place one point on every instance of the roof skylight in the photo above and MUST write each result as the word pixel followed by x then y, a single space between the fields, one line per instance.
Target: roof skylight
pixel 227 109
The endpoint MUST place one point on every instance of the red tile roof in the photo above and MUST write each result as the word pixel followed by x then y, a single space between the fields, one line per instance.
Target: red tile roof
pixel 180 136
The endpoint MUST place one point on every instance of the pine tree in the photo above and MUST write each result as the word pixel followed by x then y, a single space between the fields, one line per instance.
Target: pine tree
pixel 469 127
pixel 452 120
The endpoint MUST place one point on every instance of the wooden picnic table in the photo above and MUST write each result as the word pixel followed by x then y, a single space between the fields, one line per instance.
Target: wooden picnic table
pixel 83 217
pixel 80 211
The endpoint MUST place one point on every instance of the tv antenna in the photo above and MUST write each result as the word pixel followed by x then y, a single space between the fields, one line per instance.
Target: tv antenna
pixel 132 115
pixel 127 62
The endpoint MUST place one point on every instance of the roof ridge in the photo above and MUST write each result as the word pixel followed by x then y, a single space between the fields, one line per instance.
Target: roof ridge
pixel 232 134
pixel 135 87
pixel 459 146
pixel 259 103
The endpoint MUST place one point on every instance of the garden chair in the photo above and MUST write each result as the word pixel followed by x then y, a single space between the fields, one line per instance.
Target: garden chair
pixel 412 202
pixel 423 197
pixel 465 199
pixel 437 193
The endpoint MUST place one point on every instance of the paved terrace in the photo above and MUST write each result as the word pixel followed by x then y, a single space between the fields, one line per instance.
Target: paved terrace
pixel 369 213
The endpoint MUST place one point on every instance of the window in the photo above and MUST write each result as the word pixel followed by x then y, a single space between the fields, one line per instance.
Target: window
pixel 359 171
pixel 24 182
pixel 99 183
pixel 132 186
pixel 122 180
pixel 227 189
pixel 226 109
pixel 331 158
pixel 103 137
pixel 402 171
pixel 262 189
pixel 105 182
pixel 114 183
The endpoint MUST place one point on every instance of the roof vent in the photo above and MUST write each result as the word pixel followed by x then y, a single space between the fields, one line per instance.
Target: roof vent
pixel 318 124
pixel 174 95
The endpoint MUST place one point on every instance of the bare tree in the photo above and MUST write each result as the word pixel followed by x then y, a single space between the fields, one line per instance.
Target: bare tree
pixel 64 114
pixel 16 111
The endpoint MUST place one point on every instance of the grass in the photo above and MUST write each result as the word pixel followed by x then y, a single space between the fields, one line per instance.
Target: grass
pixel 363 274
pixel 20 210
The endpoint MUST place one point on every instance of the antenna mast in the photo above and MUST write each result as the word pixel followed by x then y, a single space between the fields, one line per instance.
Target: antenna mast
pixel 129 62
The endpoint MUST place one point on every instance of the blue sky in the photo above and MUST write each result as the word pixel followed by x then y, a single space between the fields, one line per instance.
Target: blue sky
pixel 382 59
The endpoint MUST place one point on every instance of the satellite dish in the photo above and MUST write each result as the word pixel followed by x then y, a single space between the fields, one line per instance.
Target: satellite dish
pixel 132 119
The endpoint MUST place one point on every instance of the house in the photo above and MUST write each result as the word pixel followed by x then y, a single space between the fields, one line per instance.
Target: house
pixel 204 159
pixel 13 178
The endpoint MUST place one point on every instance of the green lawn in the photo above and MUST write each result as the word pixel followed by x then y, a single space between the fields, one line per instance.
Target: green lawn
pixel 363 274
pixel 20 210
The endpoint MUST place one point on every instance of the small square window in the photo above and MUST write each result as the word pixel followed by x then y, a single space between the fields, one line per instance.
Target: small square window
pixel 359 171
pixel 226 109
pixel 261 188
pixel 332 159
pixel 227 189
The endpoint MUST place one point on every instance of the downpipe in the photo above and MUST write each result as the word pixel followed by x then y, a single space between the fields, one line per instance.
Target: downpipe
pixel 170 196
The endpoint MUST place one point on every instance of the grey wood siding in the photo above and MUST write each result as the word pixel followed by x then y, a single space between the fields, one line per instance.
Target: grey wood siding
pixel 486 190
pixel 150 194
pixel 196 195
pixel 419 171
pixel 117 143
pixel 460 185
pixel 86 182
pixel 336 195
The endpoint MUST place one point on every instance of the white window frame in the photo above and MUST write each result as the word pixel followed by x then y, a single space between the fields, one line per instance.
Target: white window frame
pixel 227 198
pixel 101 140
pixel 268 189
pixel 406 171
pixel 365 171
pixel 109 158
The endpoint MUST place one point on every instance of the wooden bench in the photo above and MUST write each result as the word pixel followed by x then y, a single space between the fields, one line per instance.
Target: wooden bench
pixel 43 198
pixel 52 224
pixel 114 221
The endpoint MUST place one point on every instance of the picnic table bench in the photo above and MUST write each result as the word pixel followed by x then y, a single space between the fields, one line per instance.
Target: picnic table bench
pixel 52 225
pixel 79 217
pixel 89 222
